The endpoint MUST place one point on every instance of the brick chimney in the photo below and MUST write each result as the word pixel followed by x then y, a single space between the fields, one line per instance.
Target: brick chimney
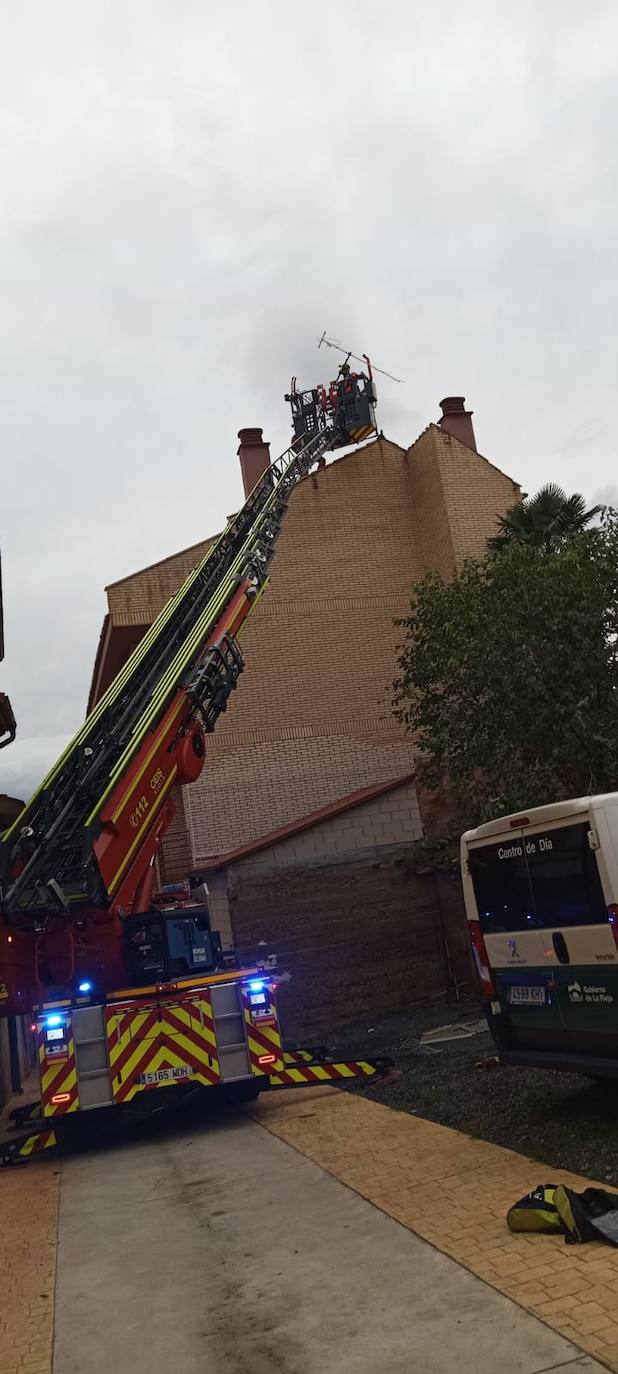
pixel 456 420
pixel 254 456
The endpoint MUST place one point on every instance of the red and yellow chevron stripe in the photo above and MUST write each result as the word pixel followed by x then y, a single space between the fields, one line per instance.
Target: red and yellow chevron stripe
pixel 35 1144
pixel 161 1045
pixel 264 1041
pixel 321 1073
pixel 59 1092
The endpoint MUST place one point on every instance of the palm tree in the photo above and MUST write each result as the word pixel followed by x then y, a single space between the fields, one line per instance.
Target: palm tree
pixel 541 520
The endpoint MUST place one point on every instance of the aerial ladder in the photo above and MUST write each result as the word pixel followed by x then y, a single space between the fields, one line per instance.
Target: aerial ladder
pixel 129 994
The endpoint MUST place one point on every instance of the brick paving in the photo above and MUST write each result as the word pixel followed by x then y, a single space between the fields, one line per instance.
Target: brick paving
pixel 454 1192
pixel 29 1222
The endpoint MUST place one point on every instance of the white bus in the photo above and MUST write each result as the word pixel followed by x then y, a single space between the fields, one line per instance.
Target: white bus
pixel 541 894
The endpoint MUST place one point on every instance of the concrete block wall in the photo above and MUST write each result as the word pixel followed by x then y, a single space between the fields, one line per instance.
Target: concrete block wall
pixel 247 791
pixel 219 907
pixel 382 823
pixel 358 937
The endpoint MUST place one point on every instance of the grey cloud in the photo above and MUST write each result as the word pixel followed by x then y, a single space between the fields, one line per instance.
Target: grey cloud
pixel 606 496
pixel 192 194
pixel 25 762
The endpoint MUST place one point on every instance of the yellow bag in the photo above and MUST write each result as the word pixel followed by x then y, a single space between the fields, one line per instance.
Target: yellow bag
pixel 536 1211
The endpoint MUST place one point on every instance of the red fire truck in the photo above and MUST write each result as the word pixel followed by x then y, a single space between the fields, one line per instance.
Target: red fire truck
pixel 133 1001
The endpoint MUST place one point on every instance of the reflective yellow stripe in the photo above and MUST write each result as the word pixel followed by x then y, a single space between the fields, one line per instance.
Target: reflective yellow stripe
pixel 149 815
pixel 171 675
pixel 252 607
pixel 122 677
pixel 28 1145
pixel 130 993
pixel 142 770
pixel 163 689
pixel 33 1142
pixel 222 594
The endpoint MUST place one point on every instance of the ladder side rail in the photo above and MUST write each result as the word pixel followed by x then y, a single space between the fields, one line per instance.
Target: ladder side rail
pixel 273 491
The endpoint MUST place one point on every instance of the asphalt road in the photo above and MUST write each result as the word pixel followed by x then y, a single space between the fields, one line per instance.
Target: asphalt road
pixel 217 1249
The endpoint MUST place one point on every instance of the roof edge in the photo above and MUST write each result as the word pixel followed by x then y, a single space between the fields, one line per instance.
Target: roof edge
pixel 130 577
pixel 99 662
pixel 210 538
pixel 286 832
pixel 475 451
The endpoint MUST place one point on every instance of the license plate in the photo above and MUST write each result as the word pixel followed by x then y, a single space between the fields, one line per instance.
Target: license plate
pixel 527 997
pixel 146 1080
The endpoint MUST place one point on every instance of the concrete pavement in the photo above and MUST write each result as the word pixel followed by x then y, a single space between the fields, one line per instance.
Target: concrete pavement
pixel 221 1250
pixel 454 1191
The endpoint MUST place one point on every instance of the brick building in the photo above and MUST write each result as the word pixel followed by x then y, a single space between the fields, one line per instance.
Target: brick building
pixel 309 788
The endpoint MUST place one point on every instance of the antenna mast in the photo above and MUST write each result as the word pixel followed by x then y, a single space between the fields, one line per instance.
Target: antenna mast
pixel 332 343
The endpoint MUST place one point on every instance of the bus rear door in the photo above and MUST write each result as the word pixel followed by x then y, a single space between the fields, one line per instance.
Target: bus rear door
pixel 549 939
pixel 564 864
pixel 530 1012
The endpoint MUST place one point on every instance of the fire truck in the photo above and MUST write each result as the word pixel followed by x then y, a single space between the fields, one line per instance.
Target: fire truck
pixel 134 1004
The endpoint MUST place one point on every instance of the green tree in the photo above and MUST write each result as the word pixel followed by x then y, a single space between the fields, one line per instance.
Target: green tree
pixel 509 675
pixel 543 520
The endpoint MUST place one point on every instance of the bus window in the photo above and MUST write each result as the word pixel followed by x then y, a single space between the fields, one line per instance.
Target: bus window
pixel 565 878
pixel 502 887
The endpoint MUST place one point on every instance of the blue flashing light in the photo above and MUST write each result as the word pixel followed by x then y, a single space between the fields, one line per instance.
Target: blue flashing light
pixel 84 987
pixel 53 1020
pixel 257 985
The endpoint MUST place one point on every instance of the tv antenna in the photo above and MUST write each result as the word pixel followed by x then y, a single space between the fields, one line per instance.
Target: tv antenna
pixel 334 343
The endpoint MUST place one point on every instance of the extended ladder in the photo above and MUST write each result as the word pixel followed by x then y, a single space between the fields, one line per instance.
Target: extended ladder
pixel 47 860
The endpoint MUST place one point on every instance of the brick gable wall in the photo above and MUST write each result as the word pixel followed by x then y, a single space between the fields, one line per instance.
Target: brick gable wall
pixel 311 719
pixel 475 492
pixel 140 597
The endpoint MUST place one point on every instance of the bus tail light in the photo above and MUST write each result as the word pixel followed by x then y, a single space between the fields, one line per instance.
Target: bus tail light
pixel 481 960
pixel 612 916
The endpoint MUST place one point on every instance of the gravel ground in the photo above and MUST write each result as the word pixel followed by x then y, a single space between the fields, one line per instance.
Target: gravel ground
pixel 559 1119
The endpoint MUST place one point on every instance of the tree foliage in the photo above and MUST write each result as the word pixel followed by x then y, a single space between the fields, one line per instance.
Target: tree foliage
pixel 509 675
pixel 544 519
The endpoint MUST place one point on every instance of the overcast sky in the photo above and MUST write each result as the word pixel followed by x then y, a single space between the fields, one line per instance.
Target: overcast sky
pixel 192 193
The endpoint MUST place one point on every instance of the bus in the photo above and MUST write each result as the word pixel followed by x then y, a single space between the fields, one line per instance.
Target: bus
pixel 541 896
